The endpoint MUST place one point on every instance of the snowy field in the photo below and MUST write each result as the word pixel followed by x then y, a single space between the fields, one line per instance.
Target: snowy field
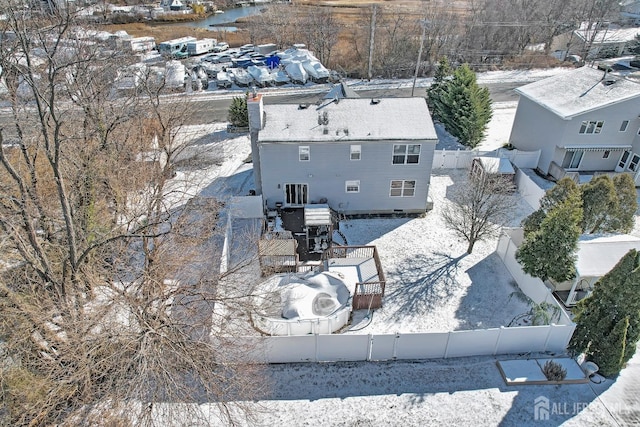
pixel 432 286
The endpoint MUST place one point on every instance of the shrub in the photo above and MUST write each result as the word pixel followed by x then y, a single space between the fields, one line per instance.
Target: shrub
pixel 554 371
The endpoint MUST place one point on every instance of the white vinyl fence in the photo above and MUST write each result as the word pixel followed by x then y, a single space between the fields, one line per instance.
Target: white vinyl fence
pixel 534 288
pixel 428 345
pixel 459 159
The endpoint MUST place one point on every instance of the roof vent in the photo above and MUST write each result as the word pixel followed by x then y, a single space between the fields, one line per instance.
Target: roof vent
pixel 325 131
pixel 303 106
pixel 609 82
pixel 323 119
pixel 375 101
pixel 346 131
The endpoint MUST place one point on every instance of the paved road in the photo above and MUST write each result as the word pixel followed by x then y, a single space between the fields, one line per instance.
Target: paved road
pixel 212 106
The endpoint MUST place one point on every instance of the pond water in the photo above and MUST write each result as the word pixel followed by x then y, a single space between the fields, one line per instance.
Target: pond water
pixel 217 21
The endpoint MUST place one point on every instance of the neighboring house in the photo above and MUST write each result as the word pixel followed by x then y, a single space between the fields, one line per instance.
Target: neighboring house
pixel 630 10
pixel 583 121
pixel 359 156
pixel 594 42
pixel 596 256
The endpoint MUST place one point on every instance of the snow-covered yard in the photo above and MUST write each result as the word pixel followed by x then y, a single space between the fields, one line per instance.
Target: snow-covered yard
pixel 432 286
pixel 432 283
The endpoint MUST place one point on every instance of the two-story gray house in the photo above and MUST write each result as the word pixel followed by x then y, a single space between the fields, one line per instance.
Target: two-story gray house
pixel 583 121
pixel 359 156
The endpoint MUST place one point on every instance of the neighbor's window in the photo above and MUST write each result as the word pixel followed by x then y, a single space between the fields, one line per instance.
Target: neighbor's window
pixel 406 154
pixel 355 152
pixel 633 165
pixel 624 125
pixel 402 188
pixel 606 153
pixel 303 153
pixel 592 126
pixel 352 186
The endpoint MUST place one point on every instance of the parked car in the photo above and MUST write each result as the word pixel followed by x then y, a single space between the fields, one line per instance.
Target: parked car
pixel 217 58
pixel 221 47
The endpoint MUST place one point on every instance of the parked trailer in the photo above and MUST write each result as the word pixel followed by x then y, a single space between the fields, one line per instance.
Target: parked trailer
pixel 266 49
pixel 199 47
pixel 176 48
pixel 140 44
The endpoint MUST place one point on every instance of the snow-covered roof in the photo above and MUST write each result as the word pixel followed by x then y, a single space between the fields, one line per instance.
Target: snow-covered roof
pixel 317 214
pixel 580 91
pixel 497 165
pixel 618 35
pixel 598 255
pixel 348 120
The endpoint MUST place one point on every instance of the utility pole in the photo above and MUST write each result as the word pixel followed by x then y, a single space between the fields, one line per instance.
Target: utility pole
pixel 372 39
pixel 423 24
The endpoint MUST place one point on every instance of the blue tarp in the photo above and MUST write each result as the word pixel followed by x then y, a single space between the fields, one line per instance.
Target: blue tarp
pixel 272 61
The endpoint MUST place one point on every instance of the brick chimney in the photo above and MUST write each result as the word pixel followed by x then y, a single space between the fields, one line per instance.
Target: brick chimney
pixel 255 109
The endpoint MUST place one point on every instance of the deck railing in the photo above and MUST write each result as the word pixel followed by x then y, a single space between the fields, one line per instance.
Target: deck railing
pixel 367 295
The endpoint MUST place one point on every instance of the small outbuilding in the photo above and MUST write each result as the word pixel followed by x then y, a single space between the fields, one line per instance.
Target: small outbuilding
pixel 495 168
pixel 596 256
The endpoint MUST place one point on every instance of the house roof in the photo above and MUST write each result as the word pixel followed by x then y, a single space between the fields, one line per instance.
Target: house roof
pixel 579 91
pixel 350 119
pixel 597 255
pixel 341 91
pixel 608 36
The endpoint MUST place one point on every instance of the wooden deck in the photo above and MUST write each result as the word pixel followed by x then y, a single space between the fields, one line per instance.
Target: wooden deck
pixel 361 266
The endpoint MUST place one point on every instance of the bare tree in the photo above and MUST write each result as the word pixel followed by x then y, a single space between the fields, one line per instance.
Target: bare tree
pixel 480 208
pixel 320 30
pixel 109 277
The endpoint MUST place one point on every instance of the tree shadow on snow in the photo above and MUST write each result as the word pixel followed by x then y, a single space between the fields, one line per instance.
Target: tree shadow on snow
pixel 488 302
pixel 429 283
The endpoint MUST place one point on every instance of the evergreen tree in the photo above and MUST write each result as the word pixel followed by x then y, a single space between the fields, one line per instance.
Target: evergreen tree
pixel 549 251
pixel 238 113
pixel 466 108
pixel 438 87
pixel 622 218
pixel 555 196
pixel 598 200
pixel 608 321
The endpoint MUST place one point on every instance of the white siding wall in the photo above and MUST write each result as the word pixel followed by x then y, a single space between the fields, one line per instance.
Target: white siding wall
pixel 330 167
pixel 536 128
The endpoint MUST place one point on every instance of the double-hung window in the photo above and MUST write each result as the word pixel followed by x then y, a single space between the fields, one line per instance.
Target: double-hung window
pixel 355 152
pixel 406 154
pixel 624 125
pixel 402 188
pixel 591 127
pixel 352 186
pixel 304 153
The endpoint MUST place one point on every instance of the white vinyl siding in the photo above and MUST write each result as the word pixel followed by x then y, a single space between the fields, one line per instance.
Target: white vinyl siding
pixel 405 154
pixel 402 188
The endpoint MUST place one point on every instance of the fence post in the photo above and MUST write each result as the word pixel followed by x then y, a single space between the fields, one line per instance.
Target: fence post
pixel 316 347
pixel 495 348
pixel 395 346
pixel 446 347
pixel 546 341
pixel 370 347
